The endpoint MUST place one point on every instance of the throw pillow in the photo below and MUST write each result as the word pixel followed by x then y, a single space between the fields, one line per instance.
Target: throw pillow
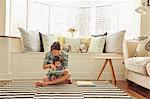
pixel 82 48
pixel 61 40
pixel 141 38
pixel 41 42
pixel 105 34
pixel 143 48
pixel 86 41
pixel 74 43
pixel 66 48
pixel 97 35
pixel 97 44
pixel 114 42
pixel 30 40
pixel 48 40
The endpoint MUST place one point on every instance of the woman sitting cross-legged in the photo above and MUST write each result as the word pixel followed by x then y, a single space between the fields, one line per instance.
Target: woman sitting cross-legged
pixel 56 61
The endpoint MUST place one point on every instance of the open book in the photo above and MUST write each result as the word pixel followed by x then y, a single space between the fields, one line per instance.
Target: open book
pixel 56 72
pixel 85 84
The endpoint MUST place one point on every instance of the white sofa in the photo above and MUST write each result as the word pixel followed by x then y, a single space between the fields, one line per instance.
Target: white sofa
pixel 138 68
pixel 28 65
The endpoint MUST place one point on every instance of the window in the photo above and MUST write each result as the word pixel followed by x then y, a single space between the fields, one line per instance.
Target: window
pixel 87 16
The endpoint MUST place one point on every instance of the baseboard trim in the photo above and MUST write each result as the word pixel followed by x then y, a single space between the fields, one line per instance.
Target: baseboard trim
pixel 5 76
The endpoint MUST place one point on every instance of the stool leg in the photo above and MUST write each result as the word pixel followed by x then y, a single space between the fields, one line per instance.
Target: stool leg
pixel 104 65
pixel 112 71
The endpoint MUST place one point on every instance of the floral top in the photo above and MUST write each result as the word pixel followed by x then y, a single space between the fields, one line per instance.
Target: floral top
pixel 49 59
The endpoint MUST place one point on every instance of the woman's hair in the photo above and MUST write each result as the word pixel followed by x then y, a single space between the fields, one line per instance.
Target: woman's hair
pixel 57 58
pixel 55 46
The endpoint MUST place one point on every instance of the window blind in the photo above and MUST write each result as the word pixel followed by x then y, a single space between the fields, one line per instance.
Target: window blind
pixel 92 19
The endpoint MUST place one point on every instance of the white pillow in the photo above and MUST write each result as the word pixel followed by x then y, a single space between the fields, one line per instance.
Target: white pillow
pixel 48 40
pixel 97 44
pixel 30 41
pixel 114 42
pixel 74 43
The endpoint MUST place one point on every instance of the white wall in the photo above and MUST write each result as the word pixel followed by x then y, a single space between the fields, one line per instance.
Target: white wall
pixel 2 16
pixel 145 25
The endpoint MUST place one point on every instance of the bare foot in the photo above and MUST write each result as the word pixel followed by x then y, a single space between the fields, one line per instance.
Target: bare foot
pixel 42 84
pixel 68 81
pixel 37 84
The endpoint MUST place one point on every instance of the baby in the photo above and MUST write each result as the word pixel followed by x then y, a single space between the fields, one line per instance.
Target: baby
pixel 58 70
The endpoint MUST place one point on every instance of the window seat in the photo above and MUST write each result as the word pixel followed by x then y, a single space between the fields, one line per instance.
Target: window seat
pixel 82 65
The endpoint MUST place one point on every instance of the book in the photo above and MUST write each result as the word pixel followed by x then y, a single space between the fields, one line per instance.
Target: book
pixel 57 72
pixel 85 84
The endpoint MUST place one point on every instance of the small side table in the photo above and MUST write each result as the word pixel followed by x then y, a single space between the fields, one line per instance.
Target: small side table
pixel 108 60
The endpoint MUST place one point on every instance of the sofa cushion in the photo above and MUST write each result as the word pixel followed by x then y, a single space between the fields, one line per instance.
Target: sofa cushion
pixel 143 48
pixel 148 68
pixel 137 64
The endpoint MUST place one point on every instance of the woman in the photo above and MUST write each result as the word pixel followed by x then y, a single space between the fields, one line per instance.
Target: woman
pixel 48 64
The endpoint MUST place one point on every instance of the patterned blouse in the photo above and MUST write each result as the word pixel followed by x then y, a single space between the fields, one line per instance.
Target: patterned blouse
pixel 49 59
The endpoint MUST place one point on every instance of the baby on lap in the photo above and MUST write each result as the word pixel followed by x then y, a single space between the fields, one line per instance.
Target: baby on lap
pixel 58 69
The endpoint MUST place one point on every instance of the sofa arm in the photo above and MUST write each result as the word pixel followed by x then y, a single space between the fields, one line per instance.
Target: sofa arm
pixel 148 68
pixel 129 48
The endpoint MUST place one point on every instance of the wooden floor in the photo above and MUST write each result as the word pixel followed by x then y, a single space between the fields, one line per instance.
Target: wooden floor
pixel 134 90
pixel 131 88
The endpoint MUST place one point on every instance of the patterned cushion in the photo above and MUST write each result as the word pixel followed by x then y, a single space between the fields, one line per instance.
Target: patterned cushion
pixel 143 48
pixel 74 43
pixel 97 44
pixel 86 41
pixel 105 34
pixel 114 42
pixel 48 40
pixel 30 41
pixel 137 64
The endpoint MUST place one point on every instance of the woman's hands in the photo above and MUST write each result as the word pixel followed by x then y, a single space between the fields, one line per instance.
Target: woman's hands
pixel 66 71
pixel 51 66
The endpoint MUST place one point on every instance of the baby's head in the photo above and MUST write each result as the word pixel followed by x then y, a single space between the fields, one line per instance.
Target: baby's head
pixel 57 61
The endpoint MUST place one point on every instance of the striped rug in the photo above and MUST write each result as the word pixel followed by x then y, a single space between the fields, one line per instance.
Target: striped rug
pixel 27 90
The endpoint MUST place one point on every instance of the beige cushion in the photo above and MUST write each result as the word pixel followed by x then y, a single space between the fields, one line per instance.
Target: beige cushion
pixel 114 42
pixel 137 64
pixel 143 48
pixel 148 68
